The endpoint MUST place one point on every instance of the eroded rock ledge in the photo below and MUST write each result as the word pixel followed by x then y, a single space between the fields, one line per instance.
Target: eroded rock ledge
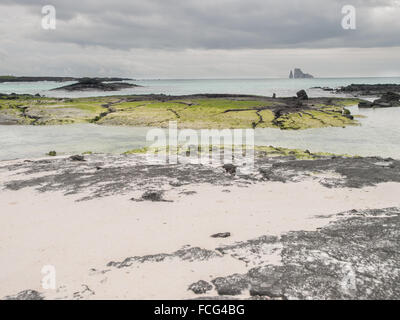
pixel 355 257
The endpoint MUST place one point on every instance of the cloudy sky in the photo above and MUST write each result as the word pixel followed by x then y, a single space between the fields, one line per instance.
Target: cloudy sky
pixel 200 38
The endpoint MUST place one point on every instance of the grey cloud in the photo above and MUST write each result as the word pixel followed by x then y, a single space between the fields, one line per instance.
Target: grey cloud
pixel 204 38
pixel 223 24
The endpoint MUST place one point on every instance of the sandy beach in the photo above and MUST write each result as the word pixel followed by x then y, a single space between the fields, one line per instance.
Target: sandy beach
pixel 119 246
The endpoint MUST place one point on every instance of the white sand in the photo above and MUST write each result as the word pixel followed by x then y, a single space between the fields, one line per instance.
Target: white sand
pixel 38 229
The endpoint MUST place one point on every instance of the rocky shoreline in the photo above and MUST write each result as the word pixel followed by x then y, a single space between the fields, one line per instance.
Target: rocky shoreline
pixel 363 90
pixel 387 100
pixel 389 94
pixel 369 89
pixel 353 254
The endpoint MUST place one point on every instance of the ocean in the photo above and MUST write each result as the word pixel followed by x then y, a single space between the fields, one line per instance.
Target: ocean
pixel 282 87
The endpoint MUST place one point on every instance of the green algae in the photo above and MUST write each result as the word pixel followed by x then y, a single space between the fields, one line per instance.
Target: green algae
pixel 261 151
pixel 307 119
pixel 137 151
pixel 271 151
pixel 194 113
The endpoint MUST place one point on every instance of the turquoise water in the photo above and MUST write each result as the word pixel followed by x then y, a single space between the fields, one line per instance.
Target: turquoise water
pixel 379 133
pixel 282 87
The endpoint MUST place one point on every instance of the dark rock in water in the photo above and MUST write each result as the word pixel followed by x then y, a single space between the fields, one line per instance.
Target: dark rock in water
pixel 52 153
pixel 95 84
pixel 230 168
pixel 365 104
pixel 378 104
pixel 390 96
pixel 89 81
pixel 26 295
pixel 221 235
pixel 77 158
pixel 200 287
pixel 369 89
pixel 387 100
pixel 302 95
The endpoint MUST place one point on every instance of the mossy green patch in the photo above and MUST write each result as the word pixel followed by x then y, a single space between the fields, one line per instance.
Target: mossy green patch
pixel 346 102
pixel 137 151
pixel 189 112
pixel 263 151
pixel 271 151
pixel 307 119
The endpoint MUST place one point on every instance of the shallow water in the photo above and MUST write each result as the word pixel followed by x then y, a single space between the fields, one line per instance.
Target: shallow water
pixel 282 87
pixel 379 134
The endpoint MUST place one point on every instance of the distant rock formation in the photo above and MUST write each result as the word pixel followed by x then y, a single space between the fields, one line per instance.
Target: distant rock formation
pixel 56 79
pixel 298 74
pixel 96 84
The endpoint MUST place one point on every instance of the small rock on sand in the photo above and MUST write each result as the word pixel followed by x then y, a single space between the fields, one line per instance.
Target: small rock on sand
pixel 230 168
pixel 221 235
pixel 154 196
pixel 26 295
